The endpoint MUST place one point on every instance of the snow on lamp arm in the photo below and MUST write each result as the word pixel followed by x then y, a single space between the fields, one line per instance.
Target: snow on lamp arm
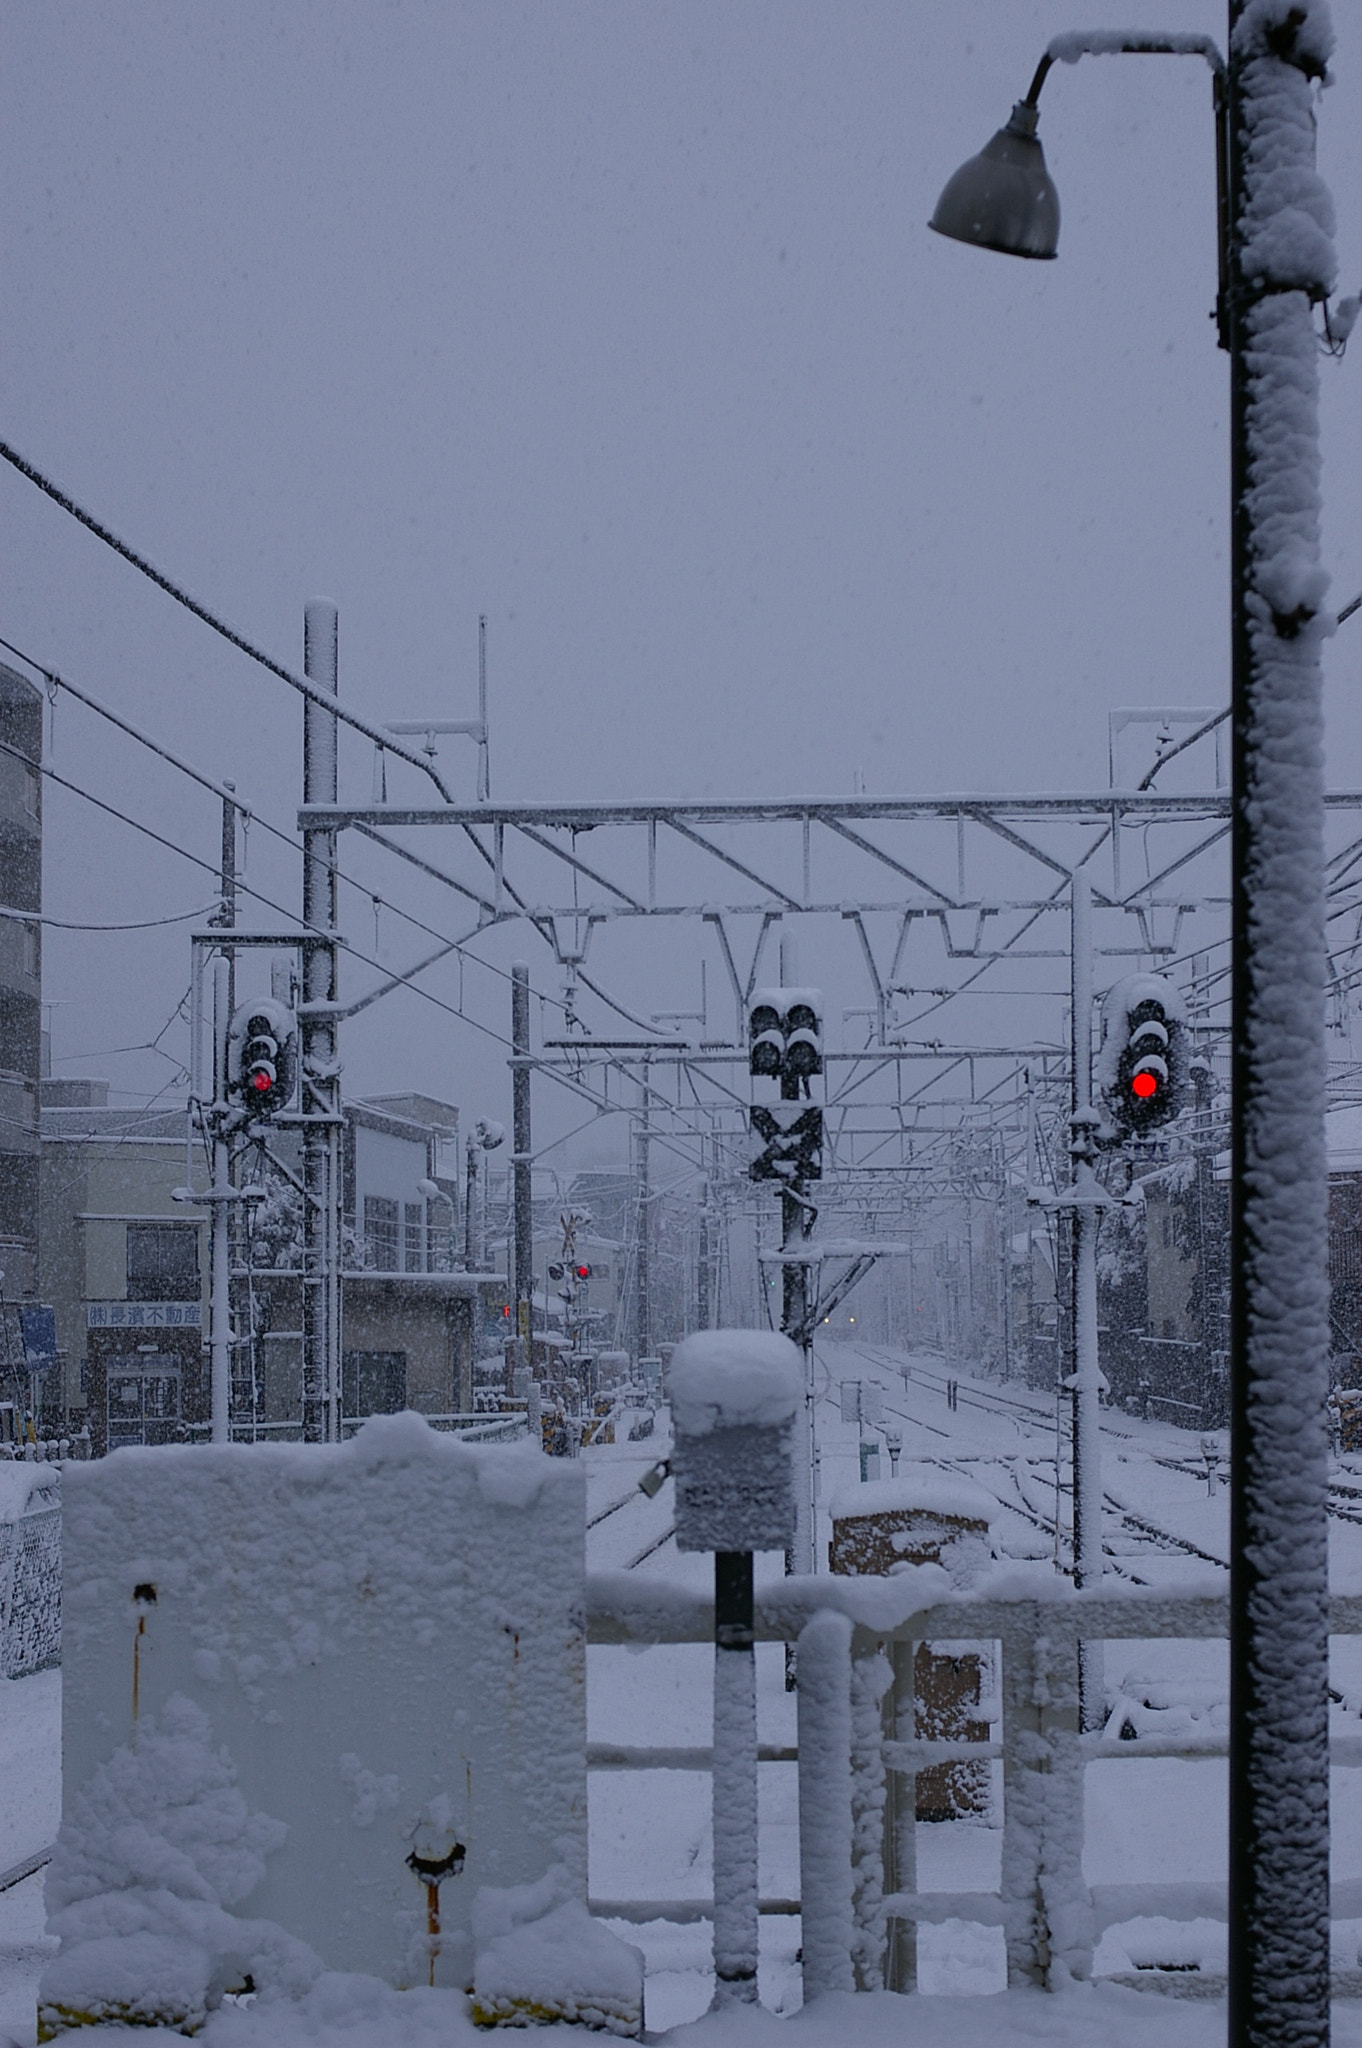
pixel 1276 264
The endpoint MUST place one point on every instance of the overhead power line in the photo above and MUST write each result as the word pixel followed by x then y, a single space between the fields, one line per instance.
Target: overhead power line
pixel 141 924
pixel 286 836
pixel 302 684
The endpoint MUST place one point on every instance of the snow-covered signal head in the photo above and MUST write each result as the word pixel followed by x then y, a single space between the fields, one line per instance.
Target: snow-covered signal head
pixel 261 1056
pixel 785 1036
pixel 1143 1062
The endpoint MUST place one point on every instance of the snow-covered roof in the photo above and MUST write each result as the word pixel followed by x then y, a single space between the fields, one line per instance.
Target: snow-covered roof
pixel 918 1493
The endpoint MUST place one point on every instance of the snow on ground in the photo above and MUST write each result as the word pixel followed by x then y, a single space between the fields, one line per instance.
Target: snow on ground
pixel 1146 1819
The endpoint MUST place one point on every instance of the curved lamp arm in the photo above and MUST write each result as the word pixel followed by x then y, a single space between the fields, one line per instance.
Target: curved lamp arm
pixel 1004 198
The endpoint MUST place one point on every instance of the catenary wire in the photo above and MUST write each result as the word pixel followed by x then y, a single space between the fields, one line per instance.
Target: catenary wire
pixel 304 686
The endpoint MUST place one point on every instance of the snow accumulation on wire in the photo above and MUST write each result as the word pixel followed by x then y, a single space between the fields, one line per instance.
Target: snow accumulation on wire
pixel 734 1379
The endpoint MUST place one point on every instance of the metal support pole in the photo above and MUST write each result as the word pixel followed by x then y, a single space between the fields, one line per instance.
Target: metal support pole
pixel 736 1907
pixel 484 751
pixel 1086 1383
pixel 1279 1286
pixel 320 1096
pixel 220 1280
pixel 643 1271
pixel 520 1157
pixel 702 1258
pixel 794 1282
pixel 470 1200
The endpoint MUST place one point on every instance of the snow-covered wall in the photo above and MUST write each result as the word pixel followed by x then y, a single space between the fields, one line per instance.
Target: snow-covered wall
pixel 386 1638
pixel 30 1567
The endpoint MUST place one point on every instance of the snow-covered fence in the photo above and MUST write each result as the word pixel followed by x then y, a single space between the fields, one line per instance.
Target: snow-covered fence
pixel 858 1756
pixel 30 1567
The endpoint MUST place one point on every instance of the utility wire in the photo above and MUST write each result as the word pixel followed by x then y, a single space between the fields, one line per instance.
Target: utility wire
pixel 286 837
pixel 303 685
pixel 197 861
pixel 66 924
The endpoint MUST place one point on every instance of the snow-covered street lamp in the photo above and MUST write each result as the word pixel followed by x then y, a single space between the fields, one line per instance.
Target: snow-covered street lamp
pixel 1276 265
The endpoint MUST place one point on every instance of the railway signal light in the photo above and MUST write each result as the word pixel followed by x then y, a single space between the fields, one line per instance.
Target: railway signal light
pixel 262 1061
pixel 785 1036
pixel 1143 1062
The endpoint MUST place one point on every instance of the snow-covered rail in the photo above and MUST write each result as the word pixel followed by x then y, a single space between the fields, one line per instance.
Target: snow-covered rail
pixel 858 1756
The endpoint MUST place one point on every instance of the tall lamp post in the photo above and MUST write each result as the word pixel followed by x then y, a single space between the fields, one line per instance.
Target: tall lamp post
pixel 1276 264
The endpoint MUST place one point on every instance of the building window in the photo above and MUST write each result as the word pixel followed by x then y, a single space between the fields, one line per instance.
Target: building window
pixel 414 1248
pixel 380 1233
pixel 373 1382
pixel 163 1262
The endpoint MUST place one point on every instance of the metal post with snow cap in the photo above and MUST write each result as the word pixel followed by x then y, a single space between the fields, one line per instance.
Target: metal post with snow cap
pixel 1275 219
pixel 735 1399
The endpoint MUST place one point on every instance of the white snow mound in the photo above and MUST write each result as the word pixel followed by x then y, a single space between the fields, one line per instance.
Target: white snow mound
pixel 734 1379
pixel 541 1959
pixel 158 1845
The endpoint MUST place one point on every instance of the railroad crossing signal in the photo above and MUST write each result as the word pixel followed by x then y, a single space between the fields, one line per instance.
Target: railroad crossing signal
pixel 1143 1063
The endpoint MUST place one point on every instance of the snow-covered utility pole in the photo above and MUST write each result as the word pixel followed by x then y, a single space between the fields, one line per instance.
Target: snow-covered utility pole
pixel 1276 264
pixel 521 1165
pixel 320 1080
pixel 643 1262
pixel 1086 1198
pixel 1281 264
pixel 219 1226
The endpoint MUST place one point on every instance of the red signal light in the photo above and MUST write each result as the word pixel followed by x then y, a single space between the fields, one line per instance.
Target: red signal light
pixel 1144 1085
pixel 260 1081
pixel 584 1272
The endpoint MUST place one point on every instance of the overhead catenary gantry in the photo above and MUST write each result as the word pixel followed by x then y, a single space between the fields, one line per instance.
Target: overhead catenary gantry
pixel 950 910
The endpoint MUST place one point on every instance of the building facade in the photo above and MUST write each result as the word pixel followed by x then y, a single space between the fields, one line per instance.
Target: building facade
pixel 21 848
pixel 126 1266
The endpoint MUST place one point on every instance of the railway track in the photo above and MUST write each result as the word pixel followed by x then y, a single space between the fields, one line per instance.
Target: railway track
pixel 983 1470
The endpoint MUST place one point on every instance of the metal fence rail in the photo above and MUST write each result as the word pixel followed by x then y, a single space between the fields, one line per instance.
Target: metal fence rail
pixel 858 1758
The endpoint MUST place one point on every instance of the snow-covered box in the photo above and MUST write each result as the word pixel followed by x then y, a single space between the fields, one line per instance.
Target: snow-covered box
pixel 735 1395
pixel 922 1518
pixel 338 1689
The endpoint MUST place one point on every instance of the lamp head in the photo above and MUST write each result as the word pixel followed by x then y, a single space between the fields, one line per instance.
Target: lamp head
pixel 1003 198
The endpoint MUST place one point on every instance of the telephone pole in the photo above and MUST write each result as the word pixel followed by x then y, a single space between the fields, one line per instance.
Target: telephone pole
pixel 317 1016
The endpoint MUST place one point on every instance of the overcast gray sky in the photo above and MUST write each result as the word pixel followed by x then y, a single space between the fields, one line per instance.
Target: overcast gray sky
pixel 621 324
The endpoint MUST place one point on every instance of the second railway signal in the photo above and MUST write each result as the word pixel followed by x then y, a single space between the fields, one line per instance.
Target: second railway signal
pixel 785 1037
